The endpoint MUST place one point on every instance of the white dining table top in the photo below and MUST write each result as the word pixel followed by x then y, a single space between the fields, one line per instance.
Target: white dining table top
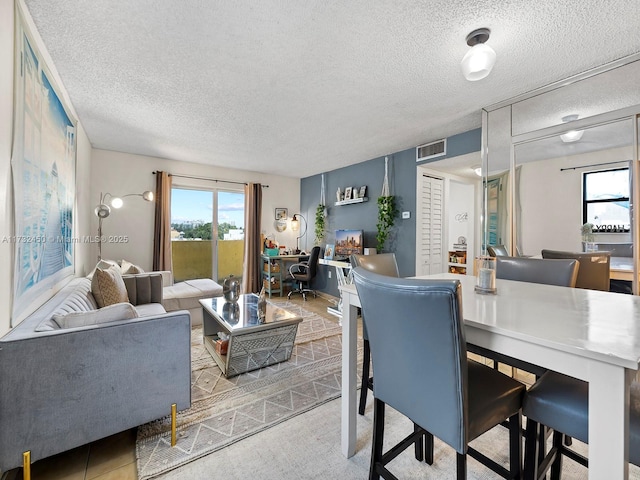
pixel 589 323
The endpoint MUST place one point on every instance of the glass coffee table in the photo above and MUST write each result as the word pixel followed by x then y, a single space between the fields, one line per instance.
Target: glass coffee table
pixel 251 343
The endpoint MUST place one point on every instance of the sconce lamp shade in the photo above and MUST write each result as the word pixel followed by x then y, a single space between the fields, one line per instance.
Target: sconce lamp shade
pixel 480 59
pixel 148 196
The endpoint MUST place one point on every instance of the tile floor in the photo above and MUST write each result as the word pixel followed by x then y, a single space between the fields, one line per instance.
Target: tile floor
pixel 113 458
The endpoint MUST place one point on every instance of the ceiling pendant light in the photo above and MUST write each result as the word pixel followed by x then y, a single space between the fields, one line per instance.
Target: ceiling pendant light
pixel 571 135
pixel 481 58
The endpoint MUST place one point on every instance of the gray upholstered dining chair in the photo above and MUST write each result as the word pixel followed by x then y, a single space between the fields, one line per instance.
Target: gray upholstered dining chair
pixel 384 264
pixel 561 403
pixel 497 251
pixel 563 273
pixel 422 371
pixel 594 267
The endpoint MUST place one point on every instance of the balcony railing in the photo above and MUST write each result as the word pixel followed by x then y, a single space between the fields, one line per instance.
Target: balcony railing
pixel 194 259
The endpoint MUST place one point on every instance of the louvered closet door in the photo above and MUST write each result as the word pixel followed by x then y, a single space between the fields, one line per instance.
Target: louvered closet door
pixel 430 248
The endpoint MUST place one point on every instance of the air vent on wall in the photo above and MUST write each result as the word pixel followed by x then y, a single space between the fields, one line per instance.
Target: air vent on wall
pixel 431 150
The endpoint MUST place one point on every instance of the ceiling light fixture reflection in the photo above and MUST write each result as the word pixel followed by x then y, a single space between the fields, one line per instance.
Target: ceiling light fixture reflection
pixel 571 135
pixel 480 59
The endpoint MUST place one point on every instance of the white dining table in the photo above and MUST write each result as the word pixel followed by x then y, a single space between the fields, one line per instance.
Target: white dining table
pixel 587 334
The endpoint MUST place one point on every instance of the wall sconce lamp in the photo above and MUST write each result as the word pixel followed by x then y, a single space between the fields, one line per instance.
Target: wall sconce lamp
pixel 480 59
pixel 571 135
pixel 103 210
pixel 295 226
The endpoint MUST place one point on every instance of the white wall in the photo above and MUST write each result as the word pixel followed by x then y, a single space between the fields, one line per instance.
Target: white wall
pixel 461 203
pixel 551 201
pixel 122 173
pixel 6 138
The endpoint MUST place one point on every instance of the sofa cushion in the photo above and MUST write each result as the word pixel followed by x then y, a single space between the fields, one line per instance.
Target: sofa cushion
pixel 108 287
pixel 78 299
pixel 128 268
pixel 185 295
pixel 147 309
pixel 111 313
pixel 104 264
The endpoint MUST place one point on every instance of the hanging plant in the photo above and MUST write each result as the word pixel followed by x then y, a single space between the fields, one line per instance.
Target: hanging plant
pixel 386 210
pixel 320 223
pixel 386 218
pixel 321 215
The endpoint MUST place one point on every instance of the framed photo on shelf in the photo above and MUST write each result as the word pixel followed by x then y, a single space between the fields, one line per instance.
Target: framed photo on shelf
pixel 347 193
pixel 328 251
pixel 363 191
pixel 282 213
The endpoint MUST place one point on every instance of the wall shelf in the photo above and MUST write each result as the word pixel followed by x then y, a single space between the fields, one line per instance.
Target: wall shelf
pixel 352 200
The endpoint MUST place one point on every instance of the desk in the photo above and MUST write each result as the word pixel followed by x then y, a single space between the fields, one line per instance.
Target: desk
pixel 341 267
pixel 588 334
pixel 274 271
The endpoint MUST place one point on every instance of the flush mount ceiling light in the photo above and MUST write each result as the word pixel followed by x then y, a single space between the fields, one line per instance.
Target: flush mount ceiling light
pixel 571 135
pixel 478 62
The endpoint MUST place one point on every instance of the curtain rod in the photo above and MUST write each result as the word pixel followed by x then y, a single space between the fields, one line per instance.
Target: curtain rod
pixel 594 165
pixel 208 179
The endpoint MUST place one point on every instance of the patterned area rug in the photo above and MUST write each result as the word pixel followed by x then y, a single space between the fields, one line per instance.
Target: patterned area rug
pixel 224 411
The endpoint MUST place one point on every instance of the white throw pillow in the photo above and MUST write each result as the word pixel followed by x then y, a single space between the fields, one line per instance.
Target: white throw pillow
pixel 107 287
pixel 128 268
pixel 104 264
pixel 112 313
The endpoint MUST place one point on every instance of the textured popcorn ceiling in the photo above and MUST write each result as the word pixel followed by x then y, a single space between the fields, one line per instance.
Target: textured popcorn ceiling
pixel 299 87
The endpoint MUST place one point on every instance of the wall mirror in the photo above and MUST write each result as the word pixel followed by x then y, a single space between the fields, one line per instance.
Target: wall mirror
pixel 540 148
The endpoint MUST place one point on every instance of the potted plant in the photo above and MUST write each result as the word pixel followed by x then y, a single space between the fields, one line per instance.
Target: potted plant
pixel 588 237
pixel 386 218
pixel 321 215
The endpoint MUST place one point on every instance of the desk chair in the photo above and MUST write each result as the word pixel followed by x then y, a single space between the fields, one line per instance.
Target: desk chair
pixel 594 267
pixel 304 272
pixel 562 403
pixel 422 371
pixel 383 264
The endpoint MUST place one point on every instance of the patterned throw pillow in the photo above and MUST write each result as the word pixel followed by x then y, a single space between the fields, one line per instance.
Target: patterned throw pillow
pixel 108 287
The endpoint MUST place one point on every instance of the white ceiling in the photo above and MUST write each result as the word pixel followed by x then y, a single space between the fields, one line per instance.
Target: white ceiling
pixel 298 88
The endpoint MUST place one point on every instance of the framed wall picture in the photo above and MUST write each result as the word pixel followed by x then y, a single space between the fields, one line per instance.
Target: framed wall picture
pixel 328 251
pixel 347 193
pixel 282 213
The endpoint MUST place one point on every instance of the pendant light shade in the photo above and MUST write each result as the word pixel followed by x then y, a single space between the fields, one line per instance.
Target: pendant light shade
pixel 480 59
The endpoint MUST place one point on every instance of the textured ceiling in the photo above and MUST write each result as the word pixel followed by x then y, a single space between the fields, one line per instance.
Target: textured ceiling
pixel 296 87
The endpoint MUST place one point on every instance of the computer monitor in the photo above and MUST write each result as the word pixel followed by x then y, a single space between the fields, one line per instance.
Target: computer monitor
pixel 348 242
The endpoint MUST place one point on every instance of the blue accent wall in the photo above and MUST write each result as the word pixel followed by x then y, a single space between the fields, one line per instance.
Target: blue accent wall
pixel 364 216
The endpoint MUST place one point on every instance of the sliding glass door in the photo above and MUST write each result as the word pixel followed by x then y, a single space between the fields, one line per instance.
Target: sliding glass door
pixel 207 233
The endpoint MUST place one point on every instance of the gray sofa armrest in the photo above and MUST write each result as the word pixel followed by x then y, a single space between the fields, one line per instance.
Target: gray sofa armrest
pixel 144 288
pixel 65 388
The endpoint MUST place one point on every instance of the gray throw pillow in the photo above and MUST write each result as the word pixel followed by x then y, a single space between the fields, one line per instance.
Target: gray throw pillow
pixel 112 313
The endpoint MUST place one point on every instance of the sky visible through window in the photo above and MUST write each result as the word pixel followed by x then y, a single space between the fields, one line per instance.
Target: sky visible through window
pixel 197 205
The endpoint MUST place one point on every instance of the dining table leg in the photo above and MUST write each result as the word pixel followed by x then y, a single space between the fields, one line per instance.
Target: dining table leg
pixel 349 374
pixel 609 421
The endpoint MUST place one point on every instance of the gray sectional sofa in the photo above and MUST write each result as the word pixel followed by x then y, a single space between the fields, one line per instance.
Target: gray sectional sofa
pixel 64 387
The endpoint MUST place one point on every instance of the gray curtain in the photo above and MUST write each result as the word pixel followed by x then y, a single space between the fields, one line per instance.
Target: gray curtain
pixel 251 273
pixel 162 228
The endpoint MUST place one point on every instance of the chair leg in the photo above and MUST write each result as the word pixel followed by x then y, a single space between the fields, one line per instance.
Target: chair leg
pixel 461 466
pixel 515 445
pixel 378 437
pixel 531 450
pixel 428 448
pixel 364 384
pixel 556 466
pixel 419 445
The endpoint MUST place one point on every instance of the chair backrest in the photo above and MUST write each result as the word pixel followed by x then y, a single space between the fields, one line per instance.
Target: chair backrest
pixel 382 263
pixel 313 261
pixel 538 270
pixel 594 267
pixel 497 251
pixel 420 368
